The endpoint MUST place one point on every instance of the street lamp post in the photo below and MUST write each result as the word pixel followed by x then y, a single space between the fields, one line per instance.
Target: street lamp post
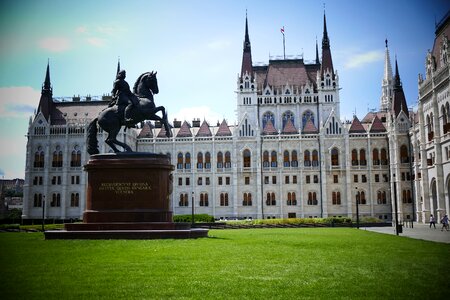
pixel 193 203
pixel 43 213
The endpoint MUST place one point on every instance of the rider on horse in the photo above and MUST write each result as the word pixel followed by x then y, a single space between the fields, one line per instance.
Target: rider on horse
pixel 123 98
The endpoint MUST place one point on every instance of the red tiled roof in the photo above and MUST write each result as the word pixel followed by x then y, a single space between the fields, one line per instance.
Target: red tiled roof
pixel 377 126
pixel 146 131
pixel 310 127
pixel 204 130
pixel 269 128
pixel 289 128
pixel 184 131
pixel 356 126
pixel 223 129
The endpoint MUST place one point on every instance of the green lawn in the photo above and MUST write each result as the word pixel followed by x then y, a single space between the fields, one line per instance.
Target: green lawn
pixel 314 263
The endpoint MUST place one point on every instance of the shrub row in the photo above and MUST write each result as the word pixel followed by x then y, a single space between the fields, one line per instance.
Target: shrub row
pixel 199 218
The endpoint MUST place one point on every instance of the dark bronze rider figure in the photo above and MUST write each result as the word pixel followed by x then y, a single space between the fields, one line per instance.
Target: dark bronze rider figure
pixel 123 98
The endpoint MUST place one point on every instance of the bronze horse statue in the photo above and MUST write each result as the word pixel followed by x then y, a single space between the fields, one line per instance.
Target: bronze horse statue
pixel 110 120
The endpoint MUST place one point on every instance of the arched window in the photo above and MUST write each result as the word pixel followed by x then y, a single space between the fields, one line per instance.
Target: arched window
pixel 204 199
pixel 247 199
pixel 334 157
pixel 381 197
pixel 375 157
pixel 361 198
pixel 37 201
pixel 384 160
pixel 307 159
pixel 180 161
pixel 406 196
pixel 76 157
pixel 273 159
pixel 404 154
pixel 312 198
pixel 56 200
pixel 219 160
pixel 246 155
pixel 57 160
pixel 307 115
pixel 227 160
pixel 288 116
pixel 223 199
pixel 336 198
pixel 355 161
pixel 266 162
pixel 291 200
pixel 39 158
pixel 187 159
pixel 286 162
pixel 362 157
pixel 207 160
pixel 315 158
pixel 294 161
pixel 266 117
pixel 270 199
pixel 184 201
pixel 74 200
pixel 199 160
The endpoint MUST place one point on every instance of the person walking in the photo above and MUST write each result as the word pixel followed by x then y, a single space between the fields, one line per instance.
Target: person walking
pixel 432 221
pixel 444 222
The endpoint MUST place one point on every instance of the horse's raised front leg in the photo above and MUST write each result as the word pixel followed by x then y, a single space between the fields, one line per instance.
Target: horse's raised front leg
pixel 112 141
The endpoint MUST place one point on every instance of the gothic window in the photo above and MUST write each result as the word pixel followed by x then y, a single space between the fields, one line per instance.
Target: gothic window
pixel 334 157
pixel 307 158
pixel 246 158
pixel 307 115
pixel 355 161
pixel 247 199
pixel 291 199
pixel 224 199
pixel 184 201
pixel 270 199
pixel 37 201
pixel 273 159
pixel 76 157
pixel 362 157
pixel 180 160
pixel 406 196
pixel 444 51
pixel 39 158
pixel 315 158
pixel 219 160
pixel 384 160
pixel 336 198
pixel 375 157
pixel 200 160
pixel 266 117
pixel 227 160
pixel 204 199
pixel 312 198
pixel 266 159
pixel 361 198
pixel 404 154
pixel 286 162
pixel 187 159
pixel 57 160
pixel 288 116
pixel 381 197
pixel 294 161
pixel 56 200
pixel 207 160
pixel 74 200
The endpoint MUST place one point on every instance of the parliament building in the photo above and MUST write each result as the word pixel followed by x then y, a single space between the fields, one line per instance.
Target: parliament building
pixel 287 155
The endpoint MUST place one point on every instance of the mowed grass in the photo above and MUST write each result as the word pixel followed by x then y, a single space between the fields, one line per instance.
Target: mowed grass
pixel 311 263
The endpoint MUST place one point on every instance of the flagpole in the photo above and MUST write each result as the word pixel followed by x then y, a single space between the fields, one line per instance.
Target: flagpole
pixel 284 47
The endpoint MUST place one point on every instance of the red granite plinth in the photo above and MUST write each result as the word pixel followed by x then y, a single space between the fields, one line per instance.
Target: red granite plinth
pixel 128 196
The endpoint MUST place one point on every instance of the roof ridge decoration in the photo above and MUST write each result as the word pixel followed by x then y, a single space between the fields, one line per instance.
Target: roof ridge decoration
pixel 356 126
pixel 223 129
pixel 204 130
pixel 269 129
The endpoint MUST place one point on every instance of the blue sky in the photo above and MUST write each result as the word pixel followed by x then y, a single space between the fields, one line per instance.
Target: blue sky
pixel 196 47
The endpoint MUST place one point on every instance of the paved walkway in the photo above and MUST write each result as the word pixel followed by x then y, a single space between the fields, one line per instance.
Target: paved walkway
pixel 420 231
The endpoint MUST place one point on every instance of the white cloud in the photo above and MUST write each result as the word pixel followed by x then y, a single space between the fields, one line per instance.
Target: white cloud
pixel 18 101
pixel 54 44
pixel 97 42
pixel 199 112
pixel 360 60
pixel 81 29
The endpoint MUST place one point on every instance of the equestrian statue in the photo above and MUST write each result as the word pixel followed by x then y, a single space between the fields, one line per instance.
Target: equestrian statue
pixel 127 109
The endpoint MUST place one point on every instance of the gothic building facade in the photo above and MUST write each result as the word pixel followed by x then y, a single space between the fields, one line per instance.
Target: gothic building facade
pixel 287 155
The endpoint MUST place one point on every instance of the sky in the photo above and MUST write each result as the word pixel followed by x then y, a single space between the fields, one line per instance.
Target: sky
pixel 196 48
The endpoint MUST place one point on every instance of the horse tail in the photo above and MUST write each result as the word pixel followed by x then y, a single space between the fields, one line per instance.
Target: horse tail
pixel 91 140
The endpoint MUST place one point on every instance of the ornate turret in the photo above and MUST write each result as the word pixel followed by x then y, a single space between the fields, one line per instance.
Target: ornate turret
pixel 327 61
pixel 399 100
pixel 317 53
pixel 387 83
pixel 247 54
pixel 46 101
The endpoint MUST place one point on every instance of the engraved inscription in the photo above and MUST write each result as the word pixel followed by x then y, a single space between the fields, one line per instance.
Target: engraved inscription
pixel 124 187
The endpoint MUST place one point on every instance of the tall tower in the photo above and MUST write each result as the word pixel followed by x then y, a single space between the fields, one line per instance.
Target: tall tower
pixel 46 101
pixel 387 84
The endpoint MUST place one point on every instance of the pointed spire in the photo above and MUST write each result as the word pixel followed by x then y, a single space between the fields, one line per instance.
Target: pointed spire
pixel 247 53
pixel 317 53
pixel 46 87
pixel 327 61
pixel 387 82
pixel 118 65
pixel 46 102
pixel 398 83
pixel 399 101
